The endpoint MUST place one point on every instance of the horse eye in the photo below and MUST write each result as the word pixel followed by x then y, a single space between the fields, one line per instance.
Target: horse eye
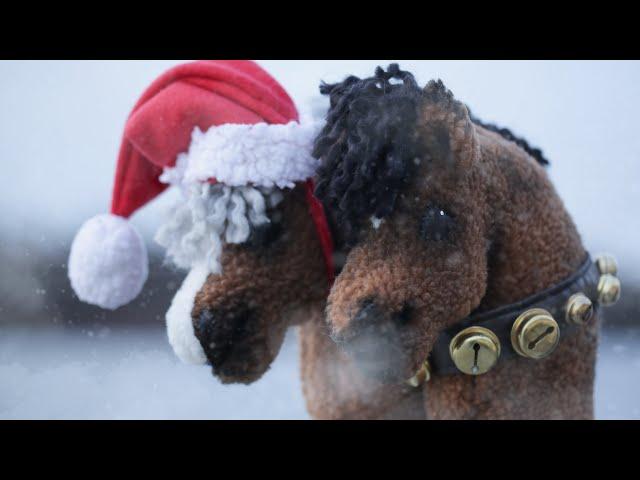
pixel 437 225
pixel 264 235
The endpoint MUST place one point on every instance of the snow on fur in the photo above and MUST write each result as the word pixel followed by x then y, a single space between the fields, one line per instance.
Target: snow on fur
pixel 261 155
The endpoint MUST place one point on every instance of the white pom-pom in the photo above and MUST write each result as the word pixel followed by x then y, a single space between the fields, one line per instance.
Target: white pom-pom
pixel 108 262
pixel 179 322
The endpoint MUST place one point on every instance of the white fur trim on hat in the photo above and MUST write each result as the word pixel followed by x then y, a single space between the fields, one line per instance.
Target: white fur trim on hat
pixel 108 263
pixel 179 322
pixel 261 155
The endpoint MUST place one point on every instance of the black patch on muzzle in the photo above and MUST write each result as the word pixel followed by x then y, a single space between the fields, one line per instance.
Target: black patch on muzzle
pixel 221 332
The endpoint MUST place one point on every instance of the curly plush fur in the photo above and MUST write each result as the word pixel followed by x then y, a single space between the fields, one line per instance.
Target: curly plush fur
pixel 210 215
pixel 368 152
pixel 270 282
pixel 514 238
pixel 399 289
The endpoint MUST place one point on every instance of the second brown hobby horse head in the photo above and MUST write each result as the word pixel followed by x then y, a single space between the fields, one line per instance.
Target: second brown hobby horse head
pixel 441 217
pixel 272 281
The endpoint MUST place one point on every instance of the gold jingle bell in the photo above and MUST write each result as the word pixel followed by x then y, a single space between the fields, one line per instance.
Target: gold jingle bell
pixel 423 375
pixel 579 309
pixel 475 350
pixel 535 334
pixel 608 289
pixel 607 264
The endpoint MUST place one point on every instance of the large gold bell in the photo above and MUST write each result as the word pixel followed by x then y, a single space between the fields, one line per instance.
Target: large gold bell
pixel 475 350
pixel 607 264
pixel 535 334
pixel 608 289
pixel 579 309
pixel 423 375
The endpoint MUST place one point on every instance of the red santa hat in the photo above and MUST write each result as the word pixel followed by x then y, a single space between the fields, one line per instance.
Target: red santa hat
pixel 224 131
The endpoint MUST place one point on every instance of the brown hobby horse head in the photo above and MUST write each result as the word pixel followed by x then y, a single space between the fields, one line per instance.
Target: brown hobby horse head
pixel 270 282
pixel 441 216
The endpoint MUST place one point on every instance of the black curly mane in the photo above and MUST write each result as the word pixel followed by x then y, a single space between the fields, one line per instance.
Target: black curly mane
pixel 505 133
pixel 367 146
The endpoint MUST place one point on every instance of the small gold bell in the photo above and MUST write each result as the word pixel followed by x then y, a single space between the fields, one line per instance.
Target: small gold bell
pixel 535 334
pixel 423 375
pixel 579 309
pixel 608 289
pixel 607 264
pixel 475 350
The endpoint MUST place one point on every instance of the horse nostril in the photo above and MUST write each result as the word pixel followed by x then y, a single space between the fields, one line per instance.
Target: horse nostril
pixel 219 331
pixel 371 314
pixel 204 320
pixel 368 314
pixel 375 321
pixel 403 317
pixel 374 339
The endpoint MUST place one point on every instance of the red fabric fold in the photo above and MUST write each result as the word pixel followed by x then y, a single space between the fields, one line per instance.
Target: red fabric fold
pixel 205 93
pixel 316 209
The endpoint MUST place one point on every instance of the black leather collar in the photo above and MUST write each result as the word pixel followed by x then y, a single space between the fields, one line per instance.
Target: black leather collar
pixel 500 320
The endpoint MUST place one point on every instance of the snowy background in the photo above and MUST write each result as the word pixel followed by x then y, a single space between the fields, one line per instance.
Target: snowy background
pixel 60 128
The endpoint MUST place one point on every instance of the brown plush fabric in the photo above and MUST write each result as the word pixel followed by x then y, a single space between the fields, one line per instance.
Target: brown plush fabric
pixel 398 291
pixel 335 388
pixel 534 245
pixel 513 238
pixel 241 317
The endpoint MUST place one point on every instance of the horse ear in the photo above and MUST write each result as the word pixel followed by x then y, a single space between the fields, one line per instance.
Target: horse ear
pixel 449 129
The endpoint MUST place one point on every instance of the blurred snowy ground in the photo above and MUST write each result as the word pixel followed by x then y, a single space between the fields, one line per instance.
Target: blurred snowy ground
pixel 60 127
pixel 131 373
